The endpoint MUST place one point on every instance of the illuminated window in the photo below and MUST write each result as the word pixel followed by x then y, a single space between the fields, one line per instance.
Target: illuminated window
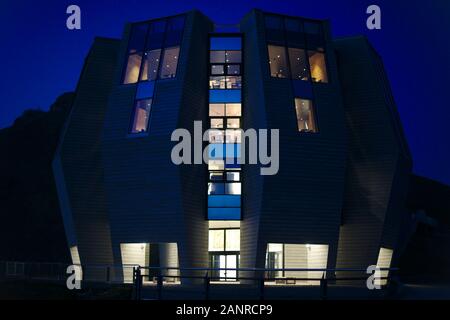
pixel 216 240
pixel 301 256
pixel 151 64
pixel 224 56
pixel 145 44
pixel 305 115
pixel 233 110
pixel 299 67
pixel 217 123
pixel 216 109
pixel 215 188
pixel 278 62
pixel 217 69
pixel 318 66
pixel 224 240
pixel 169 63
pixel 141 116
pixel 233 123
pixel 233 57
pixel 133 66
pixel 233 240
pixel 233 69
pixel 217 82
pixel 383 261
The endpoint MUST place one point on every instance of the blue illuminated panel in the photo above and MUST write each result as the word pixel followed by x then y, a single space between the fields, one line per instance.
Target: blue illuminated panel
pixel 218 96
pixel 224 213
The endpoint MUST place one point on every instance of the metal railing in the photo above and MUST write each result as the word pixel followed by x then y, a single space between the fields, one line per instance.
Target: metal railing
pixel 202 278
pixel 261 280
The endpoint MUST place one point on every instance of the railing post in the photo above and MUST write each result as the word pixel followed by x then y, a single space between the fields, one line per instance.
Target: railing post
pixel 323 287
pixel 207 285
pixel 137 282
pixel 261 287
pixel 159 285
pixel 108 271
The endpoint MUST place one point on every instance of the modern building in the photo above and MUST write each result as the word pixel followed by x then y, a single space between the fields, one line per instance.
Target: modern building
pixel 337 200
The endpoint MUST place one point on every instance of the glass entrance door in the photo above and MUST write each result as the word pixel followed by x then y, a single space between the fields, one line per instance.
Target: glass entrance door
pixel 224 261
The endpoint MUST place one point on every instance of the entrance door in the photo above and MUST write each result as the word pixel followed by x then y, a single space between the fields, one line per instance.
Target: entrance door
pixel 224 261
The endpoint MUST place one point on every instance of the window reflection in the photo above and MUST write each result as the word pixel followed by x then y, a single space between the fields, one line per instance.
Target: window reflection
pixel 305 115
pixel 141 115
pixel 169 63
pixel 278 62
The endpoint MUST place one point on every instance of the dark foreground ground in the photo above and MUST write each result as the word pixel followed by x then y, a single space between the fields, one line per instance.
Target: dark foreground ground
pixel 44 290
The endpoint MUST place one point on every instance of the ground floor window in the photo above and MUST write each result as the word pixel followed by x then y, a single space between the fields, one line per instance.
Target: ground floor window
pixel 295 256
pixel 383 261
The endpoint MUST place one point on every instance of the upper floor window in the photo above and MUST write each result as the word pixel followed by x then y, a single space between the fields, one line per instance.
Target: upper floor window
pixel 304 64
pixel 151 65
pixel 225 56
pixel 141 116
pixel 169 63
pixel 306 121
pixel 132 68
pixel 149 45
pixel 294 31
pixel 278 62
pixel 318 66
pixel 299 66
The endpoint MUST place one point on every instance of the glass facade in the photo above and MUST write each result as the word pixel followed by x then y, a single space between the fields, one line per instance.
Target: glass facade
pixel 153 54
pixel 151 43
pixel 304 110
pixel 224 178
pixel 225 110
pixel 296 49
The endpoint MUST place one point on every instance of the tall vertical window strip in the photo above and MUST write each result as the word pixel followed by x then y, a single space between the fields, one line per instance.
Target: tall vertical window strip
pixel 132 69
pixel 225 81
pixel 141 116
pixel 151 65
pixel 169 63
pixel 318 66
pixel 306 121
pixel 299 67
pixel 278 62
pixel 149 43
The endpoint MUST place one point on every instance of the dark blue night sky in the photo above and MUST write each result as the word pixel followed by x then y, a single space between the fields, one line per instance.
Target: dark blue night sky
pixel 40 58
